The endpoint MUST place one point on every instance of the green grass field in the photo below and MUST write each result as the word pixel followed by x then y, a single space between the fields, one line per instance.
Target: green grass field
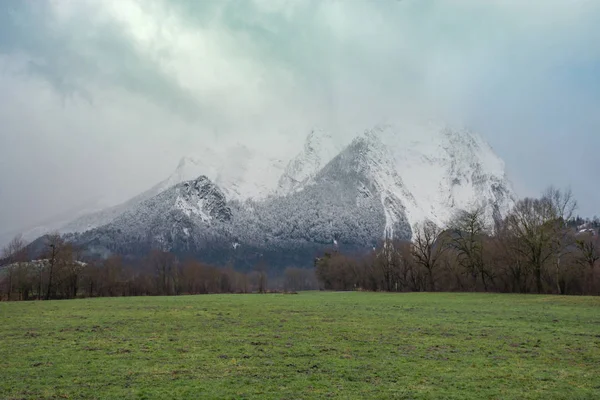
pixel 311 345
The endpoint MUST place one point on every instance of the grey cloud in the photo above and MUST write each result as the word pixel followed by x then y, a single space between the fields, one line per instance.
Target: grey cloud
pixel 132 93
pixel 73 54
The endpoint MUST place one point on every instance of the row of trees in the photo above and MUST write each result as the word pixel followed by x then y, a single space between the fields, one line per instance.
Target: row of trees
pixel 51 277
pixel 60 275
pixel 537 248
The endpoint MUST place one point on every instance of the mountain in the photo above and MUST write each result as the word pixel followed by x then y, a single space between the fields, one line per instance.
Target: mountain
pixel 423 171
pixel 320 148
pixel 187 169
pixel 240 173
pixel 240 206
pixel 246 173
pixel 194 218
pixel 178 218
pixel 443 170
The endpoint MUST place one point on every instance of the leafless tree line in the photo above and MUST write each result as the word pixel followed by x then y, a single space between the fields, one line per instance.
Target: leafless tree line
pixel 533 249
pixel 55 276
pixel 59 275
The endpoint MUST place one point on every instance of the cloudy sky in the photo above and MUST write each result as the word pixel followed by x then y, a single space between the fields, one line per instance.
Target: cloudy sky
pixel 100 98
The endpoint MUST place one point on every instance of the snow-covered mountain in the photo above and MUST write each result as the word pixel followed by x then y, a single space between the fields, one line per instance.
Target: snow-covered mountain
pixel 442 170
pixel 195 218
pixel 240 173
pixel 349 191
pixel 424 171
pixel 320 148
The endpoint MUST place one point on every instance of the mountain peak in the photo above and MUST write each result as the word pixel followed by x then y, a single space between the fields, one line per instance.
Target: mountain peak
pixel 316 139
pixel 201 197
pixel 379 182
pixel 319 148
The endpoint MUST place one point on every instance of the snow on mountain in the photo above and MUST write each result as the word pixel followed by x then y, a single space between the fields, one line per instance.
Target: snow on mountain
pixel 241 174
pixel 249 205
pixel 365 166
pixel 246 173
pixel 350 190
pixel 202 198
pixel 195 218
pixel 421 172
pixel 319 148
pixel 189 168
pixel 444 170
pixel 97 213
pixel 181 217
pixel 379 167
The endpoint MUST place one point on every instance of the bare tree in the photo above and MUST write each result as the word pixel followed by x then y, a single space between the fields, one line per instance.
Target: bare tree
pixel 15 250
pixel 563 206
pixel 299 279
pixel 338 272
pixel 406 274
pixel 55 245
pixel 508 263
pixel 532 224
pixel 164 265
pixel 588 255
pixel 15 255
pixel 63 270
pixel 562 202
pixel 107 276
pixel 261 271
pixel 389 260
pixel 467 233
pixel 72 269
pixel 429 244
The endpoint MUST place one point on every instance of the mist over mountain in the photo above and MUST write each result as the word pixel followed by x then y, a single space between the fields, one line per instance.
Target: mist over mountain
pixel 245 207
pixel 101 101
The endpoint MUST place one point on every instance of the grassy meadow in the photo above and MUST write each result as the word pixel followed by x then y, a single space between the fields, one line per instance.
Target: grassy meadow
pixel 309 345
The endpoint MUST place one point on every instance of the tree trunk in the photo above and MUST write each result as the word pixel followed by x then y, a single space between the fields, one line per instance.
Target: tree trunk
pixel 431 281
pixel 592 280
pixel 40 286
pixel 558 275
pixel 49 283
pixel 75 287
pixel 10 274
pixel 52 260
pixel 485 287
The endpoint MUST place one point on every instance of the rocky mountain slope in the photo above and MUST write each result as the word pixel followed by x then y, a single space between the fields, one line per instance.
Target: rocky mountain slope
pixel 444 170
pixel 319 148
pixel 244 206
pixel 341 205
pixel 235 170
